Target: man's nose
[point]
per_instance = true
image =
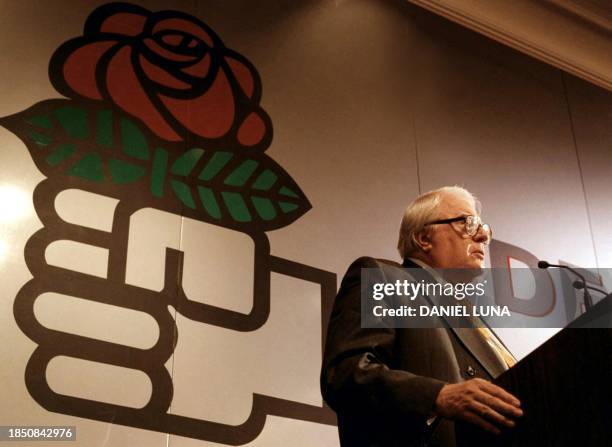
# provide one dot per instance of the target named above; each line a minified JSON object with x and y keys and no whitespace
{"x":481,"y":235}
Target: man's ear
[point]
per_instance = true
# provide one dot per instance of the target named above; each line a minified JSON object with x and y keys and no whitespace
{"x":423,"y":239}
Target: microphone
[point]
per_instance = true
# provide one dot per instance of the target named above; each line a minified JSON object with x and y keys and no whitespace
{"x":543,"y":264}
{"x":588,"y":302}
{"x":578,"y":285}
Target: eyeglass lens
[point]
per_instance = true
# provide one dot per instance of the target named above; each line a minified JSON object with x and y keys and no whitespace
{"x":473,"y":223}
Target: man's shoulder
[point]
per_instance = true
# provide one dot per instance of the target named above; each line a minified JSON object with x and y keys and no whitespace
{"x":365,"y":262}
{"x":383,"y":266}
{"x":353,"y":276}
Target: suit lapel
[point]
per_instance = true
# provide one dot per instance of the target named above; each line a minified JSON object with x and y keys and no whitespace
{"x":468,"y":336}
{"x":480,"y":349}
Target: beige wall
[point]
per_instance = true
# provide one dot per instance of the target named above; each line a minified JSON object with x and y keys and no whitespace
{"x":371,"y":103}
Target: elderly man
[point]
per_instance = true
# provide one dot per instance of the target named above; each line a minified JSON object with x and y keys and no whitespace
{"x":392,"y":387}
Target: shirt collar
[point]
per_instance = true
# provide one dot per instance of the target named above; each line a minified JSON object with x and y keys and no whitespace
{"x":429,"y":270}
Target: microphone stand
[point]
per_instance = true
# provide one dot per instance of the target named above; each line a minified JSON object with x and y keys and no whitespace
{"x":588,"y":301}
{"x":579,"y":285}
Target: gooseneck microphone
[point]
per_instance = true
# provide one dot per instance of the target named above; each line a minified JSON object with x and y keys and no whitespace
{"x":588,"y":302}
{"x":578,"y":285}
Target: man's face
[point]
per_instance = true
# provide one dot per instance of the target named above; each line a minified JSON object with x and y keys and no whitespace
{"x":451,"y":247}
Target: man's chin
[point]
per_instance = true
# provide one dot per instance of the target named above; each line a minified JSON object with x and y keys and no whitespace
{"x":473,"y":268}
{"x":475,"y":262}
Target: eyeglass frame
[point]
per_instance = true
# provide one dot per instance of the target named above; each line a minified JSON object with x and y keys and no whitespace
{"x":484,"y":226}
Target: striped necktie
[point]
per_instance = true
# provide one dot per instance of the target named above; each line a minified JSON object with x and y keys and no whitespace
{"x":499,"y":349}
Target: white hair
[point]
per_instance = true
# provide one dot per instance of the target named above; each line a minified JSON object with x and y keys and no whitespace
{"x":422,"y":210}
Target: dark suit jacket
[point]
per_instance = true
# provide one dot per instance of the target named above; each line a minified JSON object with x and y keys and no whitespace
{"x":383,"y":383}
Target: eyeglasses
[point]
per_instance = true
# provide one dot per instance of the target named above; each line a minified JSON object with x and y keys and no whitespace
{"x":471,"y":227}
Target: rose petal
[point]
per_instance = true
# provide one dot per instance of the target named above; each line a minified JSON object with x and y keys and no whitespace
{"x":210,"y":115}
{"x":173,"y":39}
{"x":79,"y":69}
{"x":199,"y":70}
{"x":252,"y":130}
{"x":243,"y":75}
{"x":126,"y":23}
{"x":186,"y":26}
{"x":127,"y":93}
{"x":167,"y":54}
{"x":161,"y":76}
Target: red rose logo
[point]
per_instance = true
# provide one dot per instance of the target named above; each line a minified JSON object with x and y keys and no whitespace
{"x":170,"y":71}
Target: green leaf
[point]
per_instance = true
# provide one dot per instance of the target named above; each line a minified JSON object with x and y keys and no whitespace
{"x":113,"y":154}
{"x":265,"y":180}
{"x":264,"y":208}
{"x":41,"y":121}
{"x":287,"y":207}
{"x":104,"y":128}
{"x":74,"y":121}
{"x":62,"y":152}
{"x":40,"y":139}
{"x":88,"y":168}
{"x":134,"y":142}
{"x":288,"y":192}
{"x":210,"y":203}
{"x":215,"y":164}
{"x":236,"y":206}
{"x":158,"y":174}
{"x":60,"y":130}
{"x":236,"y":189}
{"x":183,"y":193}
{"x":241,"y":174}
{"x":123,"y":172}
{"x":186,"y":162}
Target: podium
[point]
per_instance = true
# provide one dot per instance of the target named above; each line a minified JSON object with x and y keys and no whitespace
{"x":565,"y":388}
